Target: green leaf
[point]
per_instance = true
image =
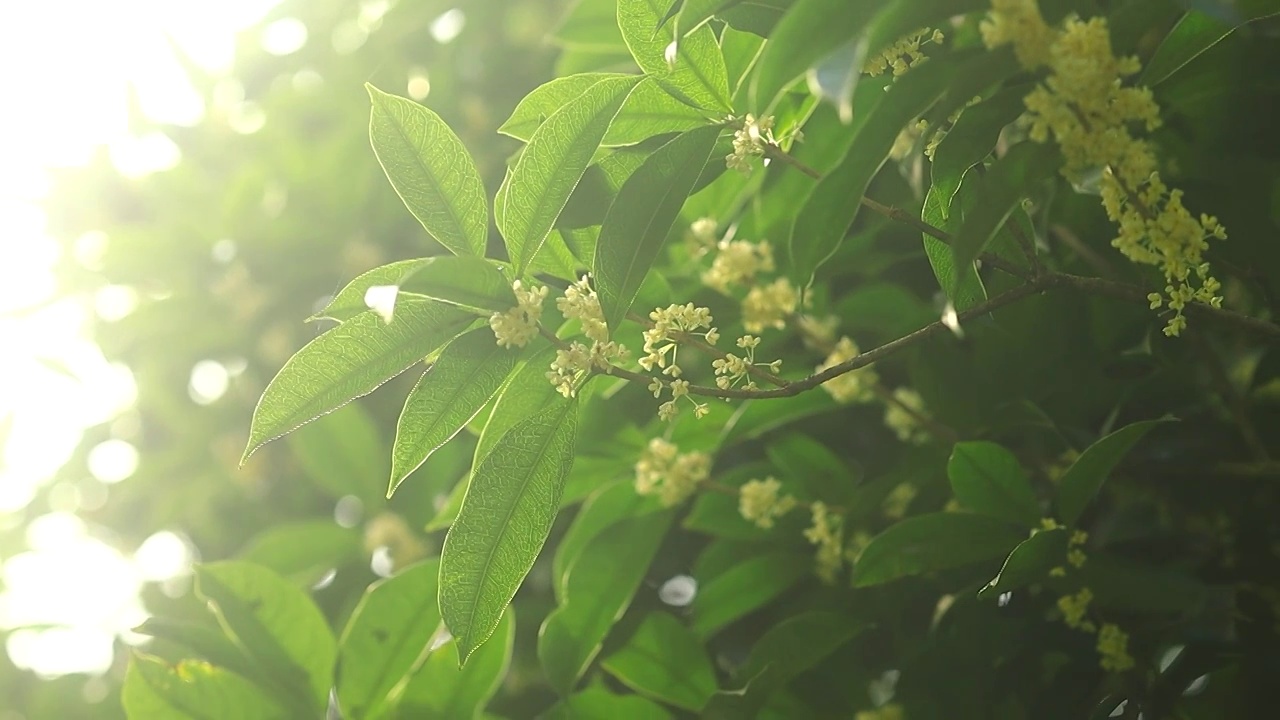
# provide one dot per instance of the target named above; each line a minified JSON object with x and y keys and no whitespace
{"x":814,"y":467}
{"x":597,"y":703}
{"x":349,"y":361}
{"x":825,"y":217}
{"x":462,"y":380}
{"x":343,"y":455}
{"x":809,"y":31}
{"x":970,"y":140}
{"x":648,"y":111}
{"x":526,"y":392}
{"x":597,"y":591}
{"x":469,"y":282}
{"x":558,"y":152}
{"x":1194,"y":34}
{"x":933,"y":541}
{"x":192,"y":690}
{"x":350,"y":302}
{"x":387,"y":636}
{"x":697,"y":74}
{"x":1002,"y":188}
{"x":607,"y":506}
{"x":664,"y":660}
{"x":505,"y":518}
{"x":642,"y":215}
{"x":1030,"y":562}
{"x":1130,"y":586}
{"x":441,"y":690}
{"x":788,"y":649}
{"x":304,"y":552}
{"x":746,"y":588}
{"x":1085,"y":477}
{"x":717,"y":514}
{"x":279,"y":627}
{"x":431,"y":170}
{"x":986,"y":478}
{"x":203,"y":638}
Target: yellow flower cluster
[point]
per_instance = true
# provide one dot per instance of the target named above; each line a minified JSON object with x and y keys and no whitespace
{"x":903,"y":54}
{"x":760,"y":503}
{"x":892,"y":711}
{"x":660,"y":339}
{"x":1113,"y":647}
{"x":1074,"y":608}
{"x":737,"y":262}
{"x":901,"y":416}
{"x":517,"y":326}
{"x":574,"y":363}
{"x":827,"y":532}
{"x":1084,"y":106}
{"x":769,"y":305}
{"x":731,"y":369}
{"x":898,"y":500}
{"x":851,"y":387}
{"x":749,"y":141}
{"x":664,"y":471}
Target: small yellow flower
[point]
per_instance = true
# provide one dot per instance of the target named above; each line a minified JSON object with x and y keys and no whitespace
{"x":1113,"y":647}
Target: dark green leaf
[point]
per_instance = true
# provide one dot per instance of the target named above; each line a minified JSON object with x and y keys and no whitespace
{"x":664,"y":660}
{"x":746,"y":588}
{"x":279,"y":627}
{"x":696,"y":75}
{"x":597,"y":703}
{"x":387,"y":636}
{"x":205,"y":639}
{"x":349,"y":361}
{"x":788,"y":649}
{"x":558,"y":152}
{"x":431,"y":170}
{"x":462,"y":380}
{"x":1195,"y":33}
{"x":192,"y":690}
{"x":597,"y":591}
{"x":505,"y":518}
{"x":813,"y":466}
{"x":1086,"y":475}
{"x":1131,"y":586}
{"x":986,"y":478}
{"x":637,"y":224}
{"x":1030,"y":562}
{"x":934,"y":541}
{"x":809,"y":31}
{"x":1008,"y":180}
{"x":970,"y":140}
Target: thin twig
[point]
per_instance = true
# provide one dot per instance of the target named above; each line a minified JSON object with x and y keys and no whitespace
{"x":938,"y":430}
{"x":690,"y":339}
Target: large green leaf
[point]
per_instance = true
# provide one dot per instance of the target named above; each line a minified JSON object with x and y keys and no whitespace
{"x":597,"y":591}
{"x":821,"y":222}
{"x":468,"y":282}
{"x":192,"y":690}
{"x":986,"y":478}
{"x":348,"y":361}
{"x":788,"y":649}
{"x":462,"y":380}
{"x":648,"y":111}
{"x":745,"y":588}
{"x":279,"y":627}
{"x":440,"y":690}
{"x":933,"y":541}
{"x":970,"y":140}
{"x":350,"y":301}
{"x":526,"y":392}
{"x":304,"y":551}
{"x":664,"y":660}
{"x":641,"y":216}
{"x":387,"y":636}
{"x":695,"y":73}
{"x":1030,"y":562}
{"x":504,"y":520}
{"x":431,"y":170}
{"x":1194,"y":34}
{"x":343,"y":454}
{"x":808,"y":32}
{"x":813,"y":466}
{"x":558,"y":152}
{"x":605,"y":507}
{"x":1085,"y":477}
{"x":1001,"y":191}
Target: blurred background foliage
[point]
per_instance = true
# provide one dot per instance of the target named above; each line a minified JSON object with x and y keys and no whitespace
{"x":276,"y":202}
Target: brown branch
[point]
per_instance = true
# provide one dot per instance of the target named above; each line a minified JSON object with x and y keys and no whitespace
{"x":709,"y":349}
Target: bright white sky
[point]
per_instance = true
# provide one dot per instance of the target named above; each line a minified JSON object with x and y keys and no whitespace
{"x":66,"y":67}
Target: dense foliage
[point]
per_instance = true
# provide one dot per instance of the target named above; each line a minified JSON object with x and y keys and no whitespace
{"x":890,"y":359}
